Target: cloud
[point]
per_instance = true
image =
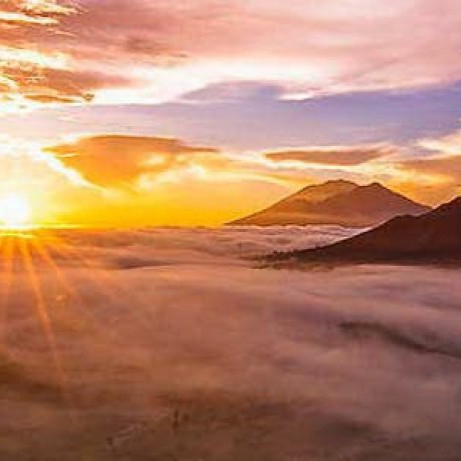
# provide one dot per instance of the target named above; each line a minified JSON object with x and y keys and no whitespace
{"x":140,"y":162}
{"x":333,"y":155}
{"x":307,"y":49}
{"x":431,"y":180}
{"x":448,"y":167}
{"x":435,"y":169}
{"x":165,"y":51}
{"x":162,"y":330}
{"x":119,"y":161}
{"x":446,"y":145}
{"x":444,"y":157}
{"x":25,"y":65}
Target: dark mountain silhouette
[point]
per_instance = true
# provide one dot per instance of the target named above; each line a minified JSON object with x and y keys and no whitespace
{"x":336,"y":202}
{"x":433,"y":237}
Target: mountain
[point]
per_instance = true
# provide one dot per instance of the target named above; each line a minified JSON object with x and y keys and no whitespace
{"x":432,"y":237}
{"x":336,"y":202}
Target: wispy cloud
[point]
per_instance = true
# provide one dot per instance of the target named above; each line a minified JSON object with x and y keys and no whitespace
{"x":35,"y":67}
{"x":164,"y":50}
{"x":333,"y":155}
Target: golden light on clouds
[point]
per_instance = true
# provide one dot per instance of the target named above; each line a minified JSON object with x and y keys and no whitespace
{"x":11,"y":18}
{"x":138,"y":180}
{"x":32,"y":70}
{"x":47,"y":7}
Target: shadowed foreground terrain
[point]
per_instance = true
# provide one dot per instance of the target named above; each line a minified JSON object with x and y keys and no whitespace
{"x":433,"y":238}
{"x":166,"y":345}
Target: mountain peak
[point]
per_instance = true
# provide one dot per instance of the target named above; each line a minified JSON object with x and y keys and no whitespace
{"x":375,"y":186}
{"x":450,"y":208}
{"x":339,"y":182}
{"x":333,"y":184}
{"x":336,"y":202}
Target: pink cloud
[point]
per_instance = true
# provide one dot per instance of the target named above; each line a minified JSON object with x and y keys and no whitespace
{"x":307,"y":48}
{"x":164,"y":50}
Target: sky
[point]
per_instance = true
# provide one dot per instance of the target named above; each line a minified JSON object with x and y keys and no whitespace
{"x":133,"y":112}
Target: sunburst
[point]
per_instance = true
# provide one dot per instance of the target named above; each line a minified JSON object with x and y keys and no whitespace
{"x":15,"y":211}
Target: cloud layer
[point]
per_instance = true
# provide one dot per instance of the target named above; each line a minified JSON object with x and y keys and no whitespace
{"x":170,"y":344}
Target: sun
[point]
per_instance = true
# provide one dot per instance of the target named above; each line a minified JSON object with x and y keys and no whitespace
{"x":15,"y":211}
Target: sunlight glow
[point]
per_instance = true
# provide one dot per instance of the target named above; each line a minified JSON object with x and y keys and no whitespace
{"x":15,"y":211}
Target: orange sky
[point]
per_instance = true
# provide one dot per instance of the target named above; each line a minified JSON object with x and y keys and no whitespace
{"x":123,"y":180}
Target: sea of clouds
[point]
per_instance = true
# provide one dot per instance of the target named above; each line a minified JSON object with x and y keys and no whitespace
{"x":174,"y":344}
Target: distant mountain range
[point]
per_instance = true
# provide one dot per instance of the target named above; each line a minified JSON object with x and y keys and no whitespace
{"x":336,"y":202}
{"x":434,"y":237}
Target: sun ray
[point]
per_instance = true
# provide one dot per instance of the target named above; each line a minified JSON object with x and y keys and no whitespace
{"x":7,"y":254}
{"x":43,"y":315}
{"x":84,"y":313}
{"x":108,"y":285}
{"x":45,"y":255}
{"x":97,"y":276}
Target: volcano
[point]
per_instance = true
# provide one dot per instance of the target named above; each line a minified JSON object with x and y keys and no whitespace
{"x":339,"y":202}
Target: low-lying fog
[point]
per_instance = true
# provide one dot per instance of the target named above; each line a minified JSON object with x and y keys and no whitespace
{"x":170,"y":344}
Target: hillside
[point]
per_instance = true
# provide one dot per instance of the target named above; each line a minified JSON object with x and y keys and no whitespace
{"x":336,"y":202}
{"x":432,"y":237}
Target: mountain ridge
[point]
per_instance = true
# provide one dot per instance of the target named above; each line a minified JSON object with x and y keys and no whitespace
{"x":432,"y":237}
{"x":337,"y":202}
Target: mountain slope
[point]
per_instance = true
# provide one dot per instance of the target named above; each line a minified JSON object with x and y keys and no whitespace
{"x":336,"y":202}
{"x":432,"y":237}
